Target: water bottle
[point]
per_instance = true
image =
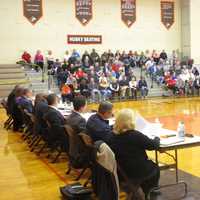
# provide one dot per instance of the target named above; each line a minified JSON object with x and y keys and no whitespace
{"x":181,"y":130}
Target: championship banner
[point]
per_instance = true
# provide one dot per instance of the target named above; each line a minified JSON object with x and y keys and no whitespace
{"x":83,"y":9}
{"x":32,"y":10}
{"x":167,"y":13}
{"x":84,"y":39}
{"x":128,"y":11}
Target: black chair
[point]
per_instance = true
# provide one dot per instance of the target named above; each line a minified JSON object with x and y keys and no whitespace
{"x":29,"y":125}
{"x":79,"y":153}
{"x":9,"y":122}
{"x":49,"y":143}
{"x":132,"y":189}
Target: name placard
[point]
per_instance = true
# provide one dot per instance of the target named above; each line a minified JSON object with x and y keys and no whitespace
{"x":83,"y":9}
{"x":167,"y":13}
{"x":32,"y":10}
{"x":84,"y":39}
{"x":128,"y":11}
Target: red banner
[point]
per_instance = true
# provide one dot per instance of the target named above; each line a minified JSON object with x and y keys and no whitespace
{"x":32,"y":10}
{"x":84,"y":39}
{"x":128,"y":11}
{"x":167,"y":13}
{"x":83,"y":10}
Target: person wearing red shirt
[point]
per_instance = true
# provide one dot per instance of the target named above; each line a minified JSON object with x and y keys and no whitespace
{"x":79,"y":74}
{"x":26,"y":57}
{"x":39,"y":60}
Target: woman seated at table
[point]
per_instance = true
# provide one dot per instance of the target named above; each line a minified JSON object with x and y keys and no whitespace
{"x":129,"y":147}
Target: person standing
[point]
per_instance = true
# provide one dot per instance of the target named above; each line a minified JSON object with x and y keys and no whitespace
{"x":50,"y":60}
{"x":39,"y":61}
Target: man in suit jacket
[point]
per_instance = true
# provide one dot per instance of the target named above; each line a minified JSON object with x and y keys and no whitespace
{"x":98,"y":125}
{"x":55,"y":122}
{"x":75,"y":120}
{"x":40,"y":109}
{"x":25,"y":101}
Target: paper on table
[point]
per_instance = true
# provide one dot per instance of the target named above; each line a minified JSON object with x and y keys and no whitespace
{"x":154,"y":129}
{"x":171,"y":140}
{"x":147,"y":128}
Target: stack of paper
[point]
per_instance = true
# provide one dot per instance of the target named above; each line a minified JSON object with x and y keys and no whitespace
{"x":153,"y":130}
{"x":171,"y":140}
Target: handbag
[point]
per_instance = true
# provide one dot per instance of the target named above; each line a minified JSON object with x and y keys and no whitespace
{"x":76,"y":192}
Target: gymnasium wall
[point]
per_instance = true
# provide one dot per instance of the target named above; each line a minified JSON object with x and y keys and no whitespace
{"x":195,"y":30}
{"x":50,"y":32}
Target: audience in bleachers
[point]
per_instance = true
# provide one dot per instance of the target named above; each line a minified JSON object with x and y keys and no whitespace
{"x":109,"y":70}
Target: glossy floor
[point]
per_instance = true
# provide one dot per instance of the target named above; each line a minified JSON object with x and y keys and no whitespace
{"x":26,"y":176}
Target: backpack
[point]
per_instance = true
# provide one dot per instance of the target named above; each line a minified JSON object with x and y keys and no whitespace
{"x":75,"y":192}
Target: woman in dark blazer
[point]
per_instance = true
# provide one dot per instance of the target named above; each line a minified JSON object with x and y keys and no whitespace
{"x":130,"y":148}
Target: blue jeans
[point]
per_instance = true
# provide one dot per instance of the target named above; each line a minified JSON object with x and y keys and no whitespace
{"x":106,"y":93}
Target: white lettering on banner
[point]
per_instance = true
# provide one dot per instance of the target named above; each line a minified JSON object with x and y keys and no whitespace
{"x":128,"y":6}
{"x":83,"y":3}
{"x":33,"y":10}
{"x":84,"y":39}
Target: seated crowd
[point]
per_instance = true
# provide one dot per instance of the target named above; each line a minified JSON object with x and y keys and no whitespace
{"x":128,"y":145}
{"x":109,"y":75}
{"x":181,"y":78}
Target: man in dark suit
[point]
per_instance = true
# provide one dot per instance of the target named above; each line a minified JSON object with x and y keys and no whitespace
{"x":75,"y":120}
{"x":40,"y":109}
{"x":25,"y":101}
{"x":98,"y":125}
{"x":11,"y":100}
{"x":55,"y":121}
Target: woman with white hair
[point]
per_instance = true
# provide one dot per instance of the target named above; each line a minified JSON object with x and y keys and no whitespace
{"x":130,"y":148}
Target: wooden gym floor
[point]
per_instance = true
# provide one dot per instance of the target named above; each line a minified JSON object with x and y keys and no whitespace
{"x":25,"y":176}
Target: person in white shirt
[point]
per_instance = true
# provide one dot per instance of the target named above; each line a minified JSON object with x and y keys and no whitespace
{"x":50,"y":59}
{"x":104,"y":86}
{"x":66,"y":56}
{"x":133,"y":87}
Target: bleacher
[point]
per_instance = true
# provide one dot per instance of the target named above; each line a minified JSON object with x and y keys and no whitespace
{"x":11,"y":75}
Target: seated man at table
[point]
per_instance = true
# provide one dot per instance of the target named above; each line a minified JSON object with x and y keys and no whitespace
{"x":25,"y":101}
{"x":98,"y":125}
{"x":55,"y":121}
{"x":75,"y":120}
{"x":40,"y":109}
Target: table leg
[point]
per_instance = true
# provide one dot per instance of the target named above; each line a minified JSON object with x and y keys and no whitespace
{"x":156,"y":157}
{"x":176,"y":164}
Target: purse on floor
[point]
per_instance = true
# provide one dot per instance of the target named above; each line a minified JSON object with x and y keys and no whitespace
{"x":75,"y":192}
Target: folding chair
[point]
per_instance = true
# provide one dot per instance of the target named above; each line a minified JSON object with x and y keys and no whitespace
{"x":133,"y":189}
{"x":9,"y":122}
{"x":75,"y":145}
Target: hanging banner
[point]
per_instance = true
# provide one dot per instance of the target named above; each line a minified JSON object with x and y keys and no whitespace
{"x":167,"y":13}
{"x":128,"y":11}
{"x":84,"y":39}
{"x":83,"y":10}
{"x":32,"y":10}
